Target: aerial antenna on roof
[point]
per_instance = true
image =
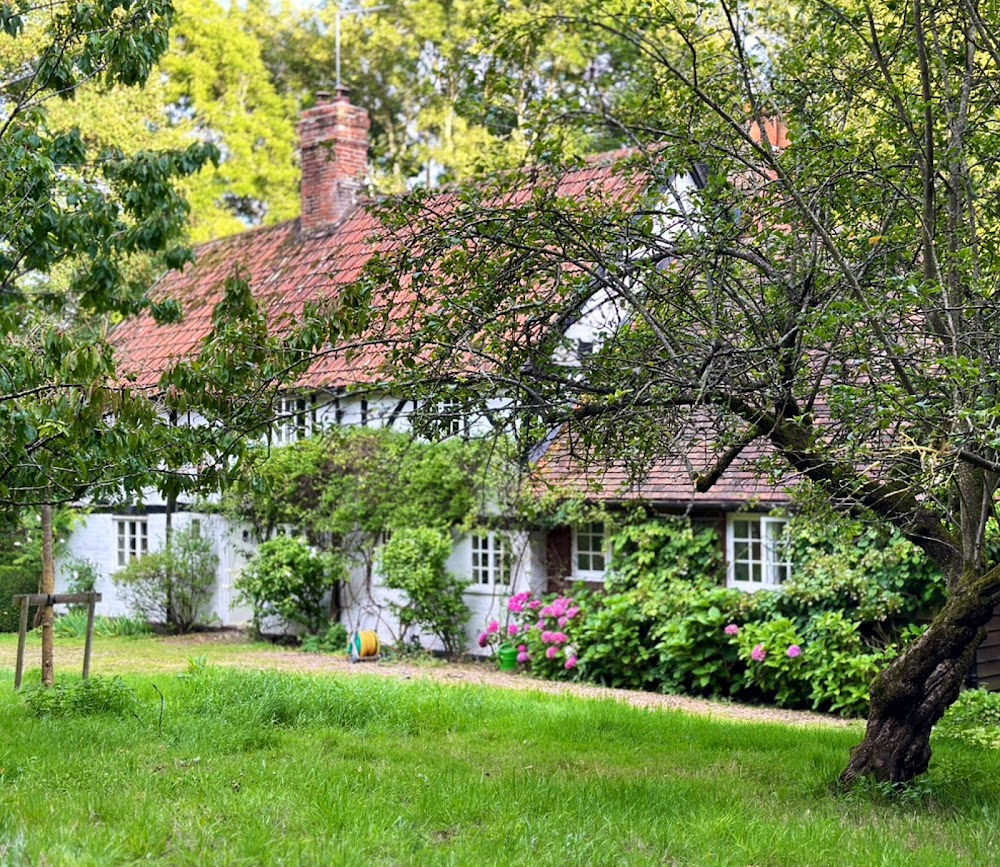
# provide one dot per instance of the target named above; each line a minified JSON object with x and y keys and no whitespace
{"x":350,"y":7}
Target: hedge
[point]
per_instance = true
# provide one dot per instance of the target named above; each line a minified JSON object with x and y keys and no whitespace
{"x":14,"y":580}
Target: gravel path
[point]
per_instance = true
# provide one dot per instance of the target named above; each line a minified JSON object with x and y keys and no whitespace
{"x":485,"y":674}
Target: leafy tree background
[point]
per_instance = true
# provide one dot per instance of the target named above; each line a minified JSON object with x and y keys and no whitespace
{"x":825,"y":296}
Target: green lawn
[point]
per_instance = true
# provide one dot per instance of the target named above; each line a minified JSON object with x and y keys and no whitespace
{"x":258,"y":767}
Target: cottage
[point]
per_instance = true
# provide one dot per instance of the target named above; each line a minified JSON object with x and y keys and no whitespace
{"x":314,"y":258}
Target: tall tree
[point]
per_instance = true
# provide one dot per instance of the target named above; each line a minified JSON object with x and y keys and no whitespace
{"x":210,"y":85}
{"x":447,"y":98}
{"x":74,"y":218}
{"x":829,"y":293}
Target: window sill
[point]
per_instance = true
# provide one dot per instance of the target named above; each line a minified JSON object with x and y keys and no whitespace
{"x":485,"y":590}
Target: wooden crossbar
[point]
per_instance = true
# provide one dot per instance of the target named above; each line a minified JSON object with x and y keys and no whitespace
{"x":47,"y":600}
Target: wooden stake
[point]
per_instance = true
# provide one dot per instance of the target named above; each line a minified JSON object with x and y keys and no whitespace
{"x":90,"y":636}
{"x":22,"y":634}
{"x":48,"y":587}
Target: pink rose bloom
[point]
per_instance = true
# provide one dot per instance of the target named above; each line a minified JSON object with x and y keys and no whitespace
{"x":552,"y":652}
{"x":793,"y":651}
{"x":493,"y":627}
{"x":571,"y":663}
{"x":484,"y":639}
{"x":523,"y":657}
{"x":512,"y":630}
{"x":732,"y":629}
{"x":759,"y":653}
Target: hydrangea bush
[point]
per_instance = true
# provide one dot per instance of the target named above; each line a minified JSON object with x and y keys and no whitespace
{"x":543,"y":630}
{"x":665,"y":623}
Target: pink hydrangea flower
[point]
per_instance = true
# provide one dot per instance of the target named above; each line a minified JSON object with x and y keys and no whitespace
{"x":559,"y":638}
{"x":571,"y":663}
{"x":512,"y":630}
{"x":793,"y":651}
{"x":547,"y":637}
{"x":552,"y":652}
{"x":516,"y":603}
{"x":523,"y":657}
{"x":522,"y":648}
{"x":572,"y":612}
{"x":493,"y":627}
{"x":535,"y":604}
{"x":484,"y":639}
{"x":563,"y":620}
{"x":732,"y":629}
{"x":759,"y":653}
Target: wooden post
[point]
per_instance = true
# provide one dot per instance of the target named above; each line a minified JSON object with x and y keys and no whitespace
{"x":90,"y":636}
{"x":22,"y":634}
{"x":48,"y":588}
{"x":43,"y":600}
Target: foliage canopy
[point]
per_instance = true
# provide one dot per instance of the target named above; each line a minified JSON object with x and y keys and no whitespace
{"x":827,"y":294}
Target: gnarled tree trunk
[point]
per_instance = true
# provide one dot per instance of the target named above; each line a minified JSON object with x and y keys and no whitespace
{"x":912,"y":694}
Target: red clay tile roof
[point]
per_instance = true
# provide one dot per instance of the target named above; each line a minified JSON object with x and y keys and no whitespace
{"x":288,"y":267}
{"x":564,"y":467}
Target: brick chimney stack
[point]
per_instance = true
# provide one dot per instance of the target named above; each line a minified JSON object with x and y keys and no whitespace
{"x":333,"y":138}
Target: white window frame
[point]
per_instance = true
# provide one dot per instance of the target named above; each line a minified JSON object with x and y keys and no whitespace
{"x":293,"y":420}
{"x":131,"y":538}
{"x":453,"y":420}
{"x":489,"y":561}
{"x":590,"y":560}
{"x":760,"y":558}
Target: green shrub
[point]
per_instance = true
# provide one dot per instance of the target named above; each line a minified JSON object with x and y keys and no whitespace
{"x":334,"y":640}
{"x":81,"y":576}
{"x":973,"y":719}
{"x":840,"y":667}
{"x":774,"y":666}
{"x":15,"y":580}
{"x":879,"y":578}
{"x":693,"y":651}
{"x":413,"y":561}
{"x":288,"y":579}
{"x":91,"y":697}
{"x":654,"y":553}
{"x":74,"y":625}
{"x":615,"y":648}
{"x":658,"y":567}
{"x":174,"y":585}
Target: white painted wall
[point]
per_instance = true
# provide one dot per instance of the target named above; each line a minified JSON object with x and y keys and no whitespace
{"x":365,"y":600}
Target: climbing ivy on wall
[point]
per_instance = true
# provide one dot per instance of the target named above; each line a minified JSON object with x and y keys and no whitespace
{"x":363,"y":481}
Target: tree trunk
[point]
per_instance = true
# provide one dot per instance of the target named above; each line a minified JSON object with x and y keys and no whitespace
{"x":48,"y":586}
{"x":915,"y":690}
